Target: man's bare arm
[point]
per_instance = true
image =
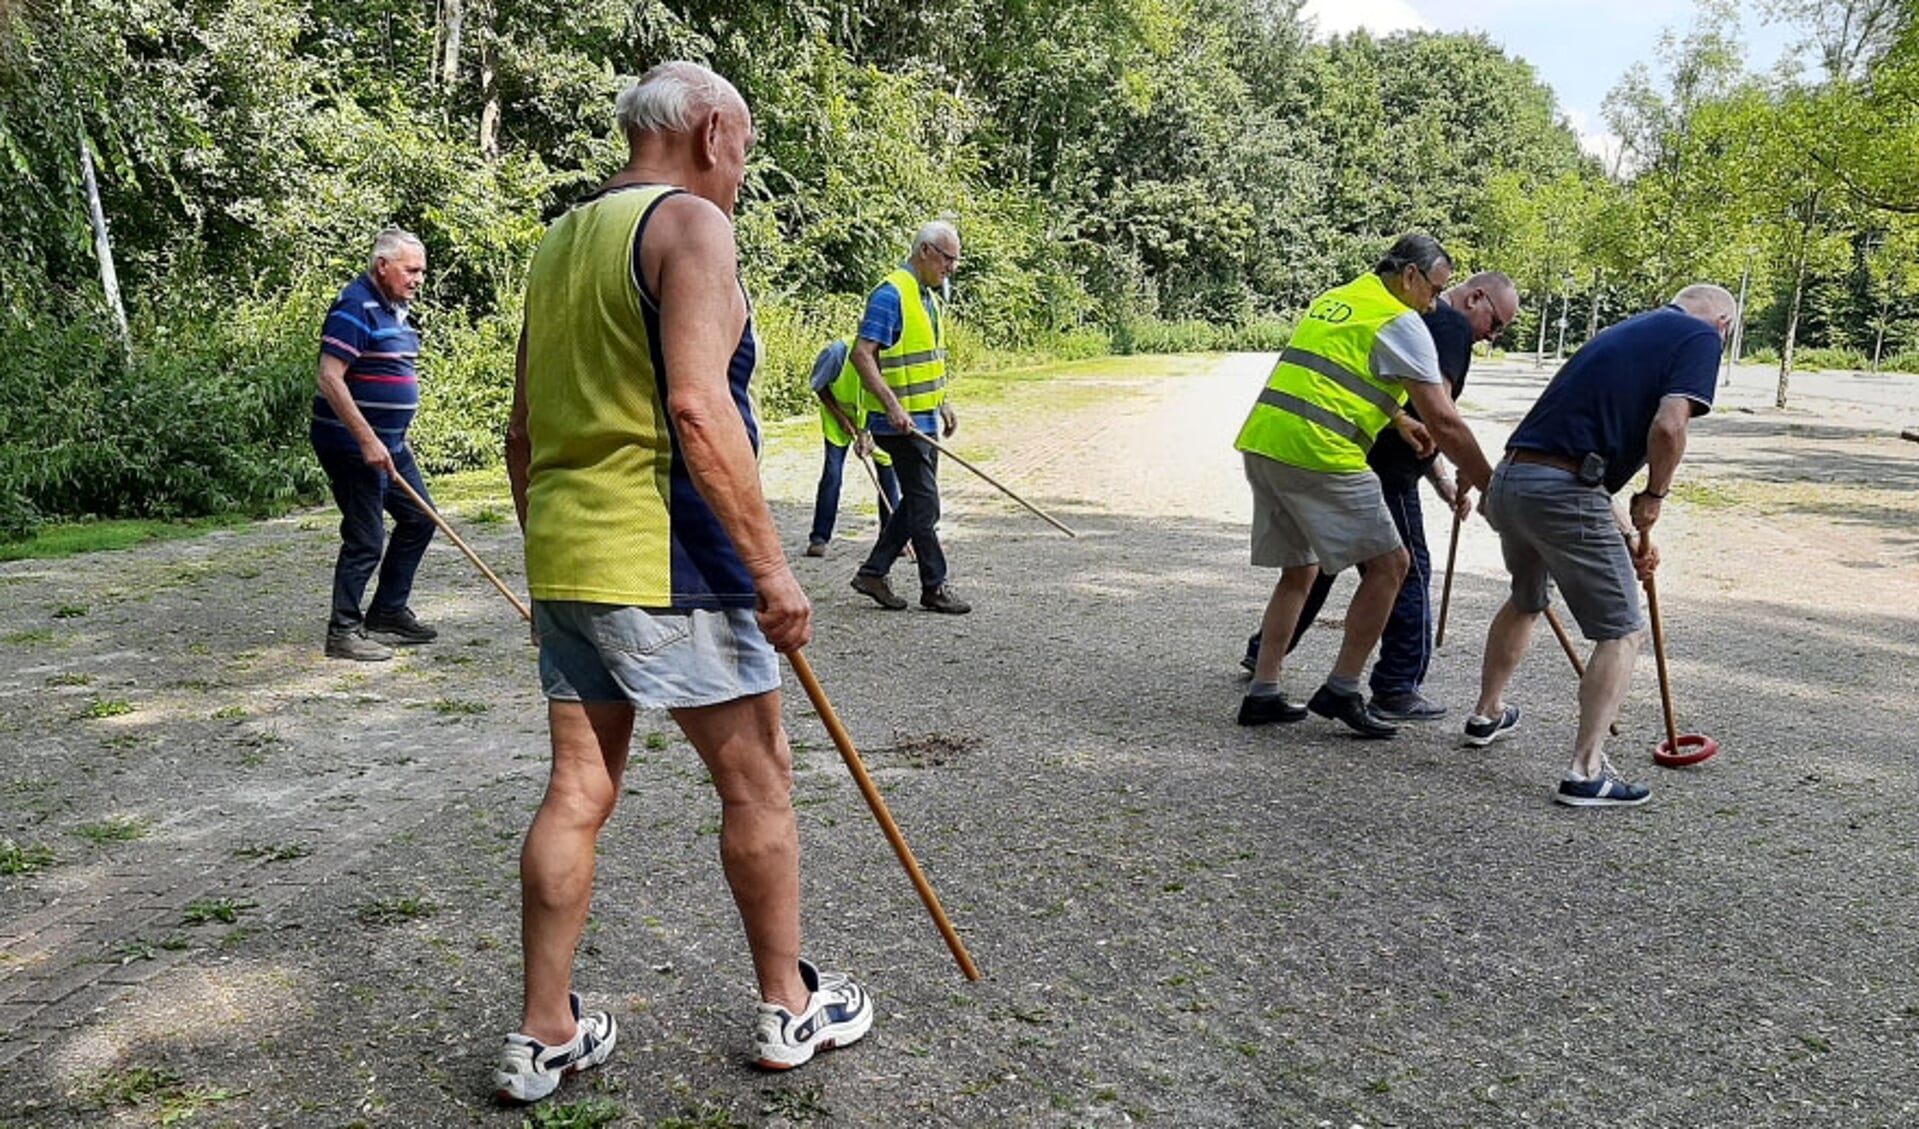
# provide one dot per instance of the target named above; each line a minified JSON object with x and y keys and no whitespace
{"x":332,"y":382}
{"x":519,"y":444}
{"x":690,"y":262}
{"x":866,"y":361}
{"x":1449,"y":431}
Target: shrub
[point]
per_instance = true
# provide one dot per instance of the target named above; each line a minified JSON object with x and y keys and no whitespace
{"x":1837,"y":359}
{"x":1904,"y":361}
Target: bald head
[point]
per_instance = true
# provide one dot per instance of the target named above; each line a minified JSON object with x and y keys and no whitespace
{"x":674,"y":98}
{"x":1708,"y":302}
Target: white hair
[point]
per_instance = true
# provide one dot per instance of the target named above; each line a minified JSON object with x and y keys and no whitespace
{"x":933,"y":230}
{"x":1704,"y":300}
{"x":387,"y":244}
{"x":672,"y":98}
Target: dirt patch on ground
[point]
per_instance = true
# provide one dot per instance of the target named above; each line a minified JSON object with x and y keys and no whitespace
{"x":253,"y":887}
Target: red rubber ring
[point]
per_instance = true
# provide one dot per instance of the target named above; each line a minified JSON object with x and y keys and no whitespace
{"x":1692,"y":748}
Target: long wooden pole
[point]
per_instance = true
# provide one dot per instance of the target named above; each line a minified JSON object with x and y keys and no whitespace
{"x":841,"y":739}
{"x":995,"y":483}
{"x":844,"y":742}
{"x":525,"y":612}
{"x":1659,"y":648}
{"x":1446,"y":590}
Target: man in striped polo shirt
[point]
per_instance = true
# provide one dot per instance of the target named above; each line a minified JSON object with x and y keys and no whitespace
{"x":367,"y":396}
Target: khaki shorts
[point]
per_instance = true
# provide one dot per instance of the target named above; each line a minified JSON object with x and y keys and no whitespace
{"x":1303,"y":517}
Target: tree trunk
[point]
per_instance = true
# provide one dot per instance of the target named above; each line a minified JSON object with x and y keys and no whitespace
{"x":1539,"y":357}
{"x":1792,"y":328}
{"x":1592,"y":317}
{"x":452,"y":23}
{"x":103,"y":246}
{"x":489,"y":88}
{"x":489,"y":106}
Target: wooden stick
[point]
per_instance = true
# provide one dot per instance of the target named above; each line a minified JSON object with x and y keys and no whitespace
{"x":455,"y":538}
{"x":1049,"y":518}
{"x":1446,"y":590}
{"x":886,"y":508}
{"x":852,"y":757}
{"x":1659,"y":648}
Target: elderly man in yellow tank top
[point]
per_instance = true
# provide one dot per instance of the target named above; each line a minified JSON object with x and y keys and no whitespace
{"x":1360,"y":353}
{"x":657,"y":575}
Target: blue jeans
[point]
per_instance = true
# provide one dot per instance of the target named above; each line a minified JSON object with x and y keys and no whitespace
{"x":917,"y":516}
{"x":826,"y":501}
{"x":1406,"y":647}
{"x":363,"y":494}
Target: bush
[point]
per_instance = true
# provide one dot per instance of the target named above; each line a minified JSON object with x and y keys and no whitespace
{"x":1836,"y":359}
{"x":1148,"y":335}
{"x":208,"y":418}
{"x":1904,"y":361}
{"x":1766,"y":356}
{"x":466,"y":390}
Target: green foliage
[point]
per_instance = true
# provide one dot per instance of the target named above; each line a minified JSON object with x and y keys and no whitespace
{"x":588,"y":1113}
{"x":16,"y":858}
{"x":118,"y":829}
{"x":1838,"y":359}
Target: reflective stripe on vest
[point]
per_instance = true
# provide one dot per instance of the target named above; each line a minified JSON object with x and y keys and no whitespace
{"x":915,"y":365}
{"x":1322,"y":405}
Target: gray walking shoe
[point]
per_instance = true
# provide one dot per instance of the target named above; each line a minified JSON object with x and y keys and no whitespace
{"x":355,"y":645}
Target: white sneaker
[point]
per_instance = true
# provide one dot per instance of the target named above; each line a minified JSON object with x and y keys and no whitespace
{"x":838,"y":1013}
{"x":530,"y":1070}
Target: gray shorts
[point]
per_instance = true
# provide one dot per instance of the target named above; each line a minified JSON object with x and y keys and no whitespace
{"x":1552,"y":527}
{"x":1303,"y":517}
{"x":656,"y":659}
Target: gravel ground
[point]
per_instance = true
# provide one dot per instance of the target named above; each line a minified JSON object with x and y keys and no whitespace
{"x":281,"y":891}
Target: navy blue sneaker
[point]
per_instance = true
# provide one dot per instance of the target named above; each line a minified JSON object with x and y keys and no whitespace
{"x":1606,"y":790}
{"x":1351,"y":709}
{"x":1252,"y":654}
{"x":1483,"y":731}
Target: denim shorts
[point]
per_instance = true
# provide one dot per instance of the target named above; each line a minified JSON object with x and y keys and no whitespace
{"x":1550,"y":526}
{"x":1303,"y":517}
{"x":651,"y":658}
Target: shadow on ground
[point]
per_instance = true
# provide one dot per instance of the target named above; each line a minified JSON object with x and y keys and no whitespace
{"x":1181,"y":922}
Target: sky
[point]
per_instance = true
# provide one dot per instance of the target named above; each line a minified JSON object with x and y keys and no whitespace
{"x":1580,"y":48}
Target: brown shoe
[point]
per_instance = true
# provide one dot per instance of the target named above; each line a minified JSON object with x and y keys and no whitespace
{"x":879,"y":589}
{"x":816,"y":548}
{"x":941,"y":599}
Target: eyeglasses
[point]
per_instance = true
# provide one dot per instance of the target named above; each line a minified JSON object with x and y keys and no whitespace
{"x":1498,"y":324}
{"x":951,"y":260}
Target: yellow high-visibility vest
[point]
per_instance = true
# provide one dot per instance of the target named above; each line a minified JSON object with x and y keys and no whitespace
{"x":1322,"y":406}
{"x":915,"y":365}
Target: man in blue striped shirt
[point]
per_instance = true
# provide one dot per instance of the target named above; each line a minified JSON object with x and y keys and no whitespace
{"x":367,"y":396}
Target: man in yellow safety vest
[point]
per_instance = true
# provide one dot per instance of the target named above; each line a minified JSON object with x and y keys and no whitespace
{"x":901,"y":357}
{"x":1357,"y":357}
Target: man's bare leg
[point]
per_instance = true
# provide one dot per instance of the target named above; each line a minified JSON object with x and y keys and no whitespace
{"x":745,"y":750}
{"x":1379,"y":583}
{"x":556,"y":863}
{"x":1507,"y":638}
{"x":1282,"y":616}
{"x":1602,"y":689}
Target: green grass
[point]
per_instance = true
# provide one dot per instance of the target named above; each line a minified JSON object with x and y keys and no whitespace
{"x":386,"y":911}
{"x":119,"y":829}
{"x":53,"y":542}
{"x":456,"y":707}
{"x":273,"y":852}
{"x":69,"y":680}
{"x":226,"y":911}
{"x":18,"y":859}
{"x":104,"y":707}
{"x":28,"y":638}
{"x":589,"y":1113}
{"x":1704,"y":495}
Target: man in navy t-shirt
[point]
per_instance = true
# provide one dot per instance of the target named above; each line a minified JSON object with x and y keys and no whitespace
{"x":367,"y":395}
{"x":1478,"y":309}
{"x":1623,"y":402}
